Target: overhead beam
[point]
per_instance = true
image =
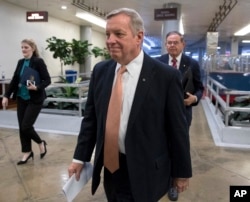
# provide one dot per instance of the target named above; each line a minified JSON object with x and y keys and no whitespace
{"x":224,"y":10}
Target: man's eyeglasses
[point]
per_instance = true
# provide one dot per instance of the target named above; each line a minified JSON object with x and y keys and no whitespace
{"x":173,"y":43}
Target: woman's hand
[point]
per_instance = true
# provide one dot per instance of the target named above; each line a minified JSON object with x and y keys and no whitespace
{"x":31,"y":86}
{"x":5,"y":102}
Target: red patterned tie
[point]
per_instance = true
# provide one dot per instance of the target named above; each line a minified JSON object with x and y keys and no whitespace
{"x":174,"y":62}
{"x":111,"y":150}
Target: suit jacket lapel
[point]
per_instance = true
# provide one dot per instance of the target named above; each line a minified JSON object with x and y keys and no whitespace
{"x":165,"y":59}
{"x":184,"y":64}
{"x":144,"y":81}
{"x":106,"y":93}
{"x":145,"y":78}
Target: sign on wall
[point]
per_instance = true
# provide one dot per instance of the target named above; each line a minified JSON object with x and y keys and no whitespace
{"x":37,"y":16}
{"x":165,"y":14}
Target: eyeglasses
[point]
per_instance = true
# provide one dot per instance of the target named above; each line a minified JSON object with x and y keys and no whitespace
{"x":173,"y":43}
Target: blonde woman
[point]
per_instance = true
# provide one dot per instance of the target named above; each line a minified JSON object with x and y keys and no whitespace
{"x":29,"y":94}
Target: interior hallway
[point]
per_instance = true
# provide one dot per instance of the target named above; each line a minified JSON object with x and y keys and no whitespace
{"x":214,"y":168}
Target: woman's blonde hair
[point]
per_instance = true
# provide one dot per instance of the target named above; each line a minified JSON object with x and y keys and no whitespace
{"x":33,"y":45}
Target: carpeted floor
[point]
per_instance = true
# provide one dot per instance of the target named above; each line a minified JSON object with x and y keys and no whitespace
{"x":62,"y":124}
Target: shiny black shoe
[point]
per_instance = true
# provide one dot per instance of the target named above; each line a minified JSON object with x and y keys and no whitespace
{"x":23,"y":162}
{"x":173,"y":194}
{"x":45,"y":150}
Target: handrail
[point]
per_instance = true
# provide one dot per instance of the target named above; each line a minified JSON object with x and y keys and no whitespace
{"x":3,"y":82}
{"x":227,"y":63}
{"x":215,"y":89}
{"x":78,"y":100}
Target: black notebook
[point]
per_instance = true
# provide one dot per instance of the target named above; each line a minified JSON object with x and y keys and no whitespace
{"x":187,"y":82}
{"x":30,"y":76}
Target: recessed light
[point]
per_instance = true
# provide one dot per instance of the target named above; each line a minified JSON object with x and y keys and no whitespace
{"x":63,"y":7}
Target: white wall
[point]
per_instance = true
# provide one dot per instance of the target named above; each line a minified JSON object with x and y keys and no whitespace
{"x":98,"y":39}
{"x":14,"y":29}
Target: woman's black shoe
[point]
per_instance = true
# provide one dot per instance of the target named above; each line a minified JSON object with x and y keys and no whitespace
{"x":23,"y":162}
{"x":45,"y":150}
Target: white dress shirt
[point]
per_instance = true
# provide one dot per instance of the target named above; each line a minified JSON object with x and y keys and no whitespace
{"x":177,"y":62}
{"x":130,"y":80}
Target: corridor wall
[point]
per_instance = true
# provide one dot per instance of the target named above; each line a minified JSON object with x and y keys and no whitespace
{"x":14,"y":28}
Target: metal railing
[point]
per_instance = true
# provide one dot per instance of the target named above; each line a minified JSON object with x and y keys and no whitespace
{"x":82,"y":97}
{"x":215,"y":90}
{"x":225,"y":63}
{"x":3,"y":83}
{"x":82,"y":88}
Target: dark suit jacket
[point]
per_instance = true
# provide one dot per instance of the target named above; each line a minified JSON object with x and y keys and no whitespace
{"x":188,"y":62}
{"x":157,"y":140}
{"x":38,"y":65}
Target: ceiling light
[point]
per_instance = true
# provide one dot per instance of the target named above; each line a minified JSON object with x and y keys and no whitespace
{"x":243,"y":31}
{"x":91,"y":18}
{"x":63,"y":7}
{"x":245,"y":41}
{"x":181,"y":27}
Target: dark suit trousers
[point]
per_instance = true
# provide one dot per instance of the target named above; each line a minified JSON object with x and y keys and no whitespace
{"x":117,"y":185}
{"x":27,"y":113}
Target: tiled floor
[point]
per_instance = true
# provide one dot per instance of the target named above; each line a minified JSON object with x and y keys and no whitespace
{"x":214,"y":168}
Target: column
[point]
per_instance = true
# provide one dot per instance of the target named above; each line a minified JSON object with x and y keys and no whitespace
{"x":86,"y":34}
{"x":212,"y":43}
{"x":234,"y":46}
{"x":170,"y":25}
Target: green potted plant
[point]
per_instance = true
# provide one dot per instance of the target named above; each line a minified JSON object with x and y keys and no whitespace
{"x":60,"y":49}
{"x":80,"y":50}
{"x":68,"y":52}
{"x":103,"y":52}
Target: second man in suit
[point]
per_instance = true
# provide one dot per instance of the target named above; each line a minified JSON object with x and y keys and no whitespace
{"x":175,"y":57}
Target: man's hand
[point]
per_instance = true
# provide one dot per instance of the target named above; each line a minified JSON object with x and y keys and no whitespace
{"x":190,"y":99}
{"x":181,"y":184}
{"x":75,"y":168}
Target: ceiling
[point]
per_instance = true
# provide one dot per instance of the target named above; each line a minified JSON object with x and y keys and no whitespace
{"x":197,"y":15}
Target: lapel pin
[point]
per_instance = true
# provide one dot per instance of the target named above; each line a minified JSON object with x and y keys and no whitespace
{"x":143,"y":79}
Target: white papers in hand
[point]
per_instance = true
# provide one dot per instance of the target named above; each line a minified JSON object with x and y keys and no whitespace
{"x":73,"y":187}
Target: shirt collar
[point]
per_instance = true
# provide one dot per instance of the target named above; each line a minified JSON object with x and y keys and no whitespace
{"x":178,"y":58}
{"x":134,"y":67}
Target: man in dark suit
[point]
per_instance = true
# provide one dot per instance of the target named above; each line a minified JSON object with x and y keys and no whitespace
{"x":193,"y":93}
{"x":153,"y":133}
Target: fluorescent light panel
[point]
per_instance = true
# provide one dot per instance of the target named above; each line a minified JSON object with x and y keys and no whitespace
{"x":181,"y":27}
{"x":243,"y":31}
{"x":245,"y":41}
{"x":91,"y":18}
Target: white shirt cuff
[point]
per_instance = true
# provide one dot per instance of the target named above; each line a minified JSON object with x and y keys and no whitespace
{"x":196,"y":99}
{"x":77,"y":161}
